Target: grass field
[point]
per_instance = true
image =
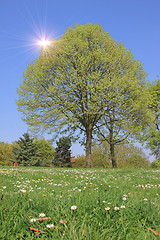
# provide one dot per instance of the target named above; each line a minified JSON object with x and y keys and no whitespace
{"x":78,"y":204}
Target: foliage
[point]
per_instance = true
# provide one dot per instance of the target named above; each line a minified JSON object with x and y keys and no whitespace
{"x":6,"y":153}
{"x":155,"y":164}
{"x":101,"y":156}
{"x":78,"y":80}
{"x":80,"y":161}
{"x":127,"y":113}
{"x":127,"y":155}
{"x":25,"y":152}
{"x":62,"y":153}
{"x":131,"y":156}
{"x":152,"y":135}
{"x":44,"y":152}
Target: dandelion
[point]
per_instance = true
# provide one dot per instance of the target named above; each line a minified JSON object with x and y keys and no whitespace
{"x":116,"y":208}
{"x":73,"y":207}
{"x":50,"y":226}
{"x":107,"y":208}
{"x":33,"y":220}
{"x":42,"y":215}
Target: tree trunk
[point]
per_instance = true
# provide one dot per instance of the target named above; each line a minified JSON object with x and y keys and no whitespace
{"x":88,"y":149}
{"x":113,"y":160}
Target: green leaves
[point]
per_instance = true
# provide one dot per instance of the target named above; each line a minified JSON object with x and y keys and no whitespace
{"x":79,"y":80}
{"x":152,"y":134}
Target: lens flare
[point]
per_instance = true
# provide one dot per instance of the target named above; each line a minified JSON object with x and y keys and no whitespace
{"x":44,"y":43}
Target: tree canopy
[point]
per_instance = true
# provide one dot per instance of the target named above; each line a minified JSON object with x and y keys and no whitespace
{"x":77,"y":80}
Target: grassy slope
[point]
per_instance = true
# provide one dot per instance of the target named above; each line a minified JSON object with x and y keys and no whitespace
{"x":27,"y":192}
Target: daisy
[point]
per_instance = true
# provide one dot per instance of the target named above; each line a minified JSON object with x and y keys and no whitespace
{"x":124,"y":199}
{"x":124,"y":195}
{"x":42,"y":215}
{"x":107,"y":208}
{"x":122,"y":206}
{"x":73,"y":207}
{"x":50,"y":226}
{"x":116,"y":208}
{"x":23,"y":191}
{"x":33,"y":220}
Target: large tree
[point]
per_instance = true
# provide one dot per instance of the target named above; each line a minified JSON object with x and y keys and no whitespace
{"x":70,"y":85}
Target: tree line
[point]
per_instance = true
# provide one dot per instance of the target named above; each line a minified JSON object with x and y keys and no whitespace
{"x":28,"y":151}
{"x":86,"y":83}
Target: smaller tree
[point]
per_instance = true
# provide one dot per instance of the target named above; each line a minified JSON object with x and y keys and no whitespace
{"x":62,"y":153}
{"x":44,"y":152}
{"x":25,"y":151}
{"x":155,"y":164}
{"x":6,"y":153}
{"x":127,"y":155}
{"x":80,"y":161}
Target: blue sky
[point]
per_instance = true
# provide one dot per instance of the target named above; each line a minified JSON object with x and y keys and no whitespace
{"x":136,"y":23}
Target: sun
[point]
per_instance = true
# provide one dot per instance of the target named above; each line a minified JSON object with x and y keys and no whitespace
{"x":44,"y":43}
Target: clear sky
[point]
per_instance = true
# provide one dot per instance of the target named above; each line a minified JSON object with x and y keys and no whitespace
{"x":136,"y":23}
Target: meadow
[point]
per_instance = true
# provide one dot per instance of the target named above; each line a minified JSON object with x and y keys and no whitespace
{"x":76,"y":204}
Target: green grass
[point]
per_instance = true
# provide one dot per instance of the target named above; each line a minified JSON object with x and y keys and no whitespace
{"x":27,"y":192}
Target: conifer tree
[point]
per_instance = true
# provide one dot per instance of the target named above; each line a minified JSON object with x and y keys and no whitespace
{"x":62,"y":154}
{"x":25,"y":151}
